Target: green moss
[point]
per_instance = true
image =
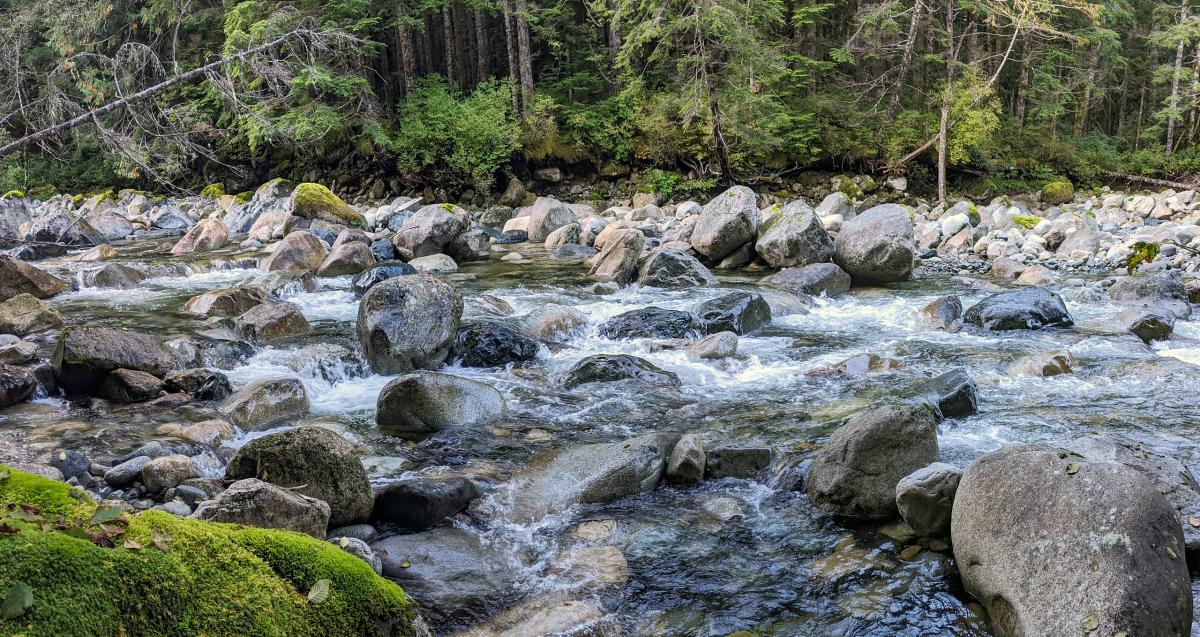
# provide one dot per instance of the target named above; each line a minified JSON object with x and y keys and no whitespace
{"x":76,"y":200}
{"x":213,"y":579}
{"x":41,"y":193}
{"x":103,"y":195}
{"x":244,"y":197}
{"x":1058,"y":192}
{"x":314,"y":201}
{"x":213,"y":191}
{"x":13,"y":194}
{"x":1029,"y":223}
{"x":846,"y":186}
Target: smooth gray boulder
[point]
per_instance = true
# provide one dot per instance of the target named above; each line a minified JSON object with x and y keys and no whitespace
{"x":877,"y":246}
{"x":856,"y":472}
{"x":1163,"y":291}
{"x":1030,"y":308}
{"x":423,"y":403}
{"x":794,"y":237}
{"x":1148,"y":324}
{"x":266,"y":402}
{"x":686,"y":462}
{"x":674,"y":268}
{"x":925,"y":498}
{"x":416,"y":504}
{"x":444,"y":568}
{"x":955,"y":393}
{"x":607,"y":368}
{"x":737,"y":312}
{"x":814,"y":279}
{"x":1055,"y":544}
{"x":545,"y":216}
{"x":408,"y":322}
{"x":726,"y":223}
{"x":430,"y":230}
{"x":618,"y":259}
{"x":86,"y":355}
{"x":261,"y":504}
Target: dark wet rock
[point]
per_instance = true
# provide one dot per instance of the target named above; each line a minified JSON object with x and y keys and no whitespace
{"x":408,"y":323}
{"x":648,"y":322}
{"x":272,"y":321}
{"x":361,"y":550}
{"x":686,"y":462}
{"x":16,"y":384}
{"x":944,"y":313}
{"x":877,"y":246}
{"x":380,"y":272}
{"x":298,"y":251}
{"x":815,"y":279}
{"x":472,"y":245}
{"x":260,"y":504}
{"x":72,"y":464}
{"x":955,"y":393}
{"x":1148,"y":325}
{"x":674,"y":268}
{"x":113,"y":275}
{"x":737,"y":462}
{"x":24,"y":314}
{"x":416,"y":504}
{"x":383,"y":250}
{"x":1022,"y":309}
{"x":513,"y":236}
{"x":1054,"y":544}
{"x":618,"y":259}
{"x":131,"y":386}
{"x":1163,"y":291}
{"x":39,"y":251}
{"x":227,"y":302}
{"x":86,"y":355}
{"x":442,"y":569}
{"x":925,"y":498}
{"x":266,"y":402}
{"x":126,"y":472}
{"x":18,"y":277}
{"x":491,"y":344}
{"x":422,"y":403}
{"x":429,"y":230}
{"x":856,"y":472}
{"x":589,"y":474}
{"x":200,"y":383}
{"x":728,"y":222}
{"x":738,"y":259}
{"x":311,"y":461}
{"x":363,"y":532}
{"x":222,"y":353}
{"x":793,"y":237}
{"x":604,"y":368}
{"x":574,"y":251}
{"x":737,"y":312}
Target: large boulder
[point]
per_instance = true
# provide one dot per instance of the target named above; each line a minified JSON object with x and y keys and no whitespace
{"x":674,"y":268}
{"x":408,"y":323}
{"x":1164,"y":291}
{"x":351,"y":257}
{"x":473,"y":245}
{"x":299,"y":250}
{"x":25,"y":314}
{"x":205,"y":236}
{"x":618,"y":259}
{"x":726,"y":223}
{"x":1056,"y":544}
{"x":16,"y":384}
{"x":113,"y":275}
{"x":416,"y":405}
{"x":545,"y":216}
{"x":648,"y":322}
{"x":877,"y":246}
{"x":443,"y":569}
{"x":794,"y":237}
{"x":1021,"y":309}
{"x":18,"y":277}
{"x":490,"y":344}
{"x":429,"y":231}
{"x":271,"y":322}
{"x":590,"y":474}
{"x":266,"y":402}
{"x":225,"y":302}
{"x":416,"y":504}
{"x":315,"y":202}
{"x":606,"y":368}
{"x":855,"y":474}
{"x":86,"y":355}
{"x":261,"y":504}
{"x":379,"y":272}
{"x":310,"y":461}
{"x":737,"y":312}
{"x":131,"y":386}
{"x":815,"y":279}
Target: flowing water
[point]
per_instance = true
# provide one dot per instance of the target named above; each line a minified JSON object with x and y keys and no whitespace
{"x":728,"y":555}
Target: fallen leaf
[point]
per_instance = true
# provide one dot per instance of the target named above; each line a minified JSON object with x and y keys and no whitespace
{"x":406,"y":563}
{"x":1072,"y":469}
{"x":131,"y":545}
{"x":1171,"y":553}
{"x":18,"y":599}
{"x":319,"y":592}
{"x":161,"y":540}
{"x":1091,"y":623}
{"x":106,"y":513}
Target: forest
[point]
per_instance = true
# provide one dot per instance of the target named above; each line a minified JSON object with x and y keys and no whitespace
{"x":689,"y":94}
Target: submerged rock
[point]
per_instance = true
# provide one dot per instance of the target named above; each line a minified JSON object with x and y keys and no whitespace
{"x":443,"y":569}
{"x":737,"y":462}
{"x":86,"y":355}
{"x":552,"y":322}
{"x":649,"y":322}
{"x":266,"y":402}
{"x":737,"y":312}
{"x":408,"y":323}
{"x":815,"y":279}
{"x":1024,"y":309}
{"x":422,"y":403}
{"x":490,"y":344}
{"x":604,"y":368}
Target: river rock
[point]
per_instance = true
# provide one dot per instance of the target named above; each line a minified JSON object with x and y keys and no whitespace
{"x":552,"y":322}
{"x":549,"y":614}
{"x":815,"y":279}
{"x":351,"y":257}
{"x":472,"y":245}
{"x":408,"y":323}
{"x":944,"y":313}
{"x":1046,"y":364}
{"x":360,"y":549}
{"x":589,"y":474}
{"x":429,"y":230}
{"x":15,"y":351}
{"x":726,"y":223}
{"x":199,"y":383}
{"x":565,"y":235}
{"x":715,"y":346}
{"x":130,"y":386}
{"x":298,"y":251}
{"x":260,"y":504}
{"x":605,"y":368}
{"x":18,"y":277}
{"x":1164,"y":291}
{"x":856,"y":472}
{"x":648,"y":322}
{"x":209,"y":433}
{"x":686,"y":462}
{"x":272,"y":321}
{"x":955,"y":393}
{"x":86,"y":355}
{"x":16,"y":384}
{"x":1055,"y":545}
{"x":379,"y":272}
{"x":227,"y":302}
{"x":166,"y":472}
{"x":1023,"y":309}
{"x":618,"y":259}
{"x":207,"y":235}
{"x":416,"y":504}
{"x":434,"y":264}
{"x":126,"y":472}
{"x":422,"y":403}
{"x":443,"y":568}
{"x":745,"y":463}
{"x":674,"y":268}
{"x":311,"y":461}
{"x":877,"y":246}
{"x":1147,"y":324}
{"x":266,"y":402}
{"x":737,"y":312}
{"x":25,"y":314}
{"x":113,"y":275}
{"x":545,"y":216}
{"x":490,"y":344}
{"x":794,"y":237}
{"x":925,"y":498}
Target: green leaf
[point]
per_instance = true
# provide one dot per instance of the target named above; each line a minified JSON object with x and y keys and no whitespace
{"x":1091,"y":623}
{"x":1072,"y":469}
{"x":106,"y":513}
{"x":18,"y":599}
{"x":319,"y":592}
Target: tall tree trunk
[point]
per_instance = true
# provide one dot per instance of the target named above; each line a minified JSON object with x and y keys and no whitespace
{"x":1081,"y":116}
{"x":614,"y":45}
{"x":482,"y":66}
{"x":1177,"y":71}
{"x":525,"y":57}
{"x":511,"y":40}
{"x":1121,"y":101}
{"x":1022,"y":97}
{"x":1194,"y":93}
{"x":910,"y":46}
{"x":427,"y":43}
{"x":408,"y":61}
{"x":449,"y":44}
{"x":943,"y":143}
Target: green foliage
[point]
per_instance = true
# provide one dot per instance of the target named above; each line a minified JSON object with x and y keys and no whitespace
{"x":13,"y":194}
{"x":1142,"y":253}
{"x":660,"y":181}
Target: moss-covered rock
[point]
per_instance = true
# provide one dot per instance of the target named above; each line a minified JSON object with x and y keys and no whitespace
{"x":1058,"y":192}
{"x":13,"y":194}
{"x":846,"y":186}
{"x":244,"y":197}
{"x":314,"y":201}
{"x":213,"y":191}
{"x":1029,"y":223}
{"x":211,"y":579}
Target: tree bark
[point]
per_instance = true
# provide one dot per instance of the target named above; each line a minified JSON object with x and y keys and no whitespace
{"x":944,"y":119}
{"x":1023,"y":80}
{"x":525,"y":57}
{"x":910,"y":46}
{"x":448,"y":42}
{"x":614,"y":44}
{"x":1176,"y":72}
{"x":482,"y":62}
{"x":510,"y":39}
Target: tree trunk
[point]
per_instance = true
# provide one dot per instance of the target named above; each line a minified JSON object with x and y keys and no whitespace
{"x":1194,"y":93}
{"x":910,"y":46}
{"x":1023,"y":81}
{"x":1121,"y":100}
{"x":448,"y":38}
{"x":944,"y":120}
{"x":511,"y":40}
{"x":614,"y":45}
{"x":408,"y":62}
{"x":482,"y":66}
{"x":427,"y":43}
{"x":525,"y":57}
{"x":1177,"y":71}
{"x":1081,"y":116}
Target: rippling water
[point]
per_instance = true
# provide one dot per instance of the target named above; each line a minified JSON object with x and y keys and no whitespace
{"x":728,"y":555}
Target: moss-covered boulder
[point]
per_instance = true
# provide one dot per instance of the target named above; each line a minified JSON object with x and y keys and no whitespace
{"x":223,"y":579}
{"x":1058,"y":192}
{"x":213,"y":191}
{"x":314,"y":201}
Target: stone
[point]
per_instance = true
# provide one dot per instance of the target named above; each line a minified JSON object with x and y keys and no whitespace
{"x":429,"y":231}
{"x":836,"y":203}
{"x":408,"y":323}
{"x":207,"y":235}
{"x":16,"y":384}
{"x":944,"y":313}
{"x":1047,"y":364}
{"x":266,"y":402}
{"x":877,"y":246}
{"x":856,"y":472}
{"x":1055,"y":545}
{"x":1148,"y":325}
{"x":199,"y":383}
{"x":1037,"y":274}
{"x":310,"y":461}
{"x":955,"y":393}
{"x":161,"y":474}
{"x":360,"y":549}
{"x":592,"y":566}
{"x":314,"y":202}
{"x":726,"y":223}
{"x":545,"y":216}
{"x":674,"y":268}
{"x":434,"y":264}
{"x":209,"y":433}
{"x":226,"y":302}
{"x":648,"y":322}
{"x":126,"y":472}
{"x":618,"y":259}
{"x":113,"y":275}
{"x":1006,"y":268}
{"x":260,"y":504}
{"x":745,"y":463}
{"x":815,"y":279}
{"x":552,"y":322}
{"x":863,"y":364}
{"x":72,"y":464}
{"x":1024,"y":309}
{"x":737,"y":312}
{"x":25,"y":314}
{"x":379,"y":272}
{"x":686,"y":462}
{"x":416,"y":504}
{"x":443,"y":568}
{"x":925,"y":498}
{"x":548,"y":614}
{"x":1163,"y":291}
{"x":715,"y":346}
{"x":472,"y":245}
{"x":15,"y":351}
{"x":298,"y":251}
{"x":490,"y":344}
{"x":422,"y":403}
{"x":564,"y":235}
{"x":606,"y":368}
{"x":130,"y":386}
{"x":271,"y":322}
{"x":794,"y":237}
{"x":18,"y":277}
{"x":86,"y":355}
{"x":347,"y":258}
